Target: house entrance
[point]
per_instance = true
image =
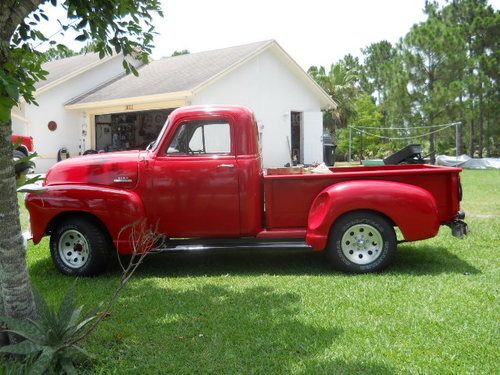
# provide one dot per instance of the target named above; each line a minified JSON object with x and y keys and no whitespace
{"x":296,"y":135}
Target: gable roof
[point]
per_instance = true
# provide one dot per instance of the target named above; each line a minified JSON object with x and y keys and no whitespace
{"x":186,"y":74}
{"x":67,"y":68}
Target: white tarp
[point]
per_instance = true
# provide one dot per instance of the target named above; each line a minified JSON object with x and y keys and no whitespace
{"x":464,"y":161}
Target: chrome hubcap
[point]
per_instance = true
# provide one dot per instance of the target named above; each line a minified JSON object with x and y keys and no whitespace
{"x":362,"y":244}
{"x":73,"y":249}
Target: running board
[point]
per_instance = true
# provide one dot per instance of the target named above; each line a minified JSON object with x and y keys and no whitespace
{"x":232,"y":244}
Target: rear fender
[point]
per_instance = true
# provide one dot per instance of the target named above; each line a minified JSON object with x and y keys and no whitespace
{"x":410,"y":207}
{"x":114,"y":208}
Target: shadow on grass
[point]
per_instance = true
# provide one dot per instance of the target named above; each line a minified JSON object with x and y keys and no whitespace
{"x":212,"y":329}
{"x":410,"y":259}
{"x":417,"y":260}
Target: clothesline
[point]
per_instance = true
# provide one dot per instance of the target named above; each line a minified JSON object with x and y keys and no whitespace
{"x":440,"y":128}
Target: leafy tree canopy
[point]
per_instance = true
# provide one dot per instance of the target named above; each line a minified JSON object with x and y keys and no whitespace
{"x":114,"y":26}
{"x":445,"y":69}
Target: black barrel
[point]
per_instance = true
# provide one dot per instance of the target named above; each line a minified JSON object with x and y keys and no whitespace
{"x":328,"y":150}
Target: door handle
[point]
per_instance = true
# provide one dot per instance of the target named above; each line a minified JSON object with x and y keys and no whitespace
{"x":225,"y":166}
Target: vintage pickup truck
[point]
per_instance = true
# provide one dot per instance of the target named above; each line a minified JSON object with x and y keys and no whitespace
{"x":202,"y":182}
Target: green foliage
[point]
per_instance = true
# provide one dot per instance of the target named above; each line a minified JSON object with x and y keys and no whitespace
{"x":181,"y":52}
{"x":445,"y":69}
{"x":112,"y":26}
{"x":12,"y":367}
{"x":22,"y":165}
{"x":377,"y":68}
{"x":340,"y":84}
{"x":60,"y":51}
{"x":367,"y":114}
{"x":51,"y":340}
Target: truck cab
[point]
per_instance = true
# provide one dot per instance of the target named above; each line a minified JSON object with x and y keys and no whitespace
{"x":203,"y":177}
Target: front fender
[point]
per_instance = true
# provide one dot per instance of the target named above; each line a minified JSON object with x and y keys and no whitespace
{"x":115,"y":208}
{"x":410,"y":207}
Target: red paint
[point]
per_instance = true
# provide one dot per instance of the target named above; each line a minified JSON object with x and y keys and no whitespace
{"x":223,"y":195}
{"x":115,"y":208}
{"x":411,"y":208}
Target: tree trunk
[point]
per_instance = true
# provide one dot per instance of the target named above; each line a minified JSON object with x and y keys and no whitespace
{"x":432,"y":146}
{"x":481,"y":125}
{"x":488,"y":133}
{"x":16,"y":296}
{"x":460,"y":132}
{"x":471,"y":140}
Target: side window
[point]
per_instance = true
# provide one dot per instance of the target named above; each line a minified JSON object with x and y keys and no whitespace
{"x":201,"y":137}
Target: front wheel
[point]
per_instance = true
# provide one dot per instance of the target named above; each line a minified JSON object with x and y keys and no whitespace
{"x":361,"y":242}
{"x":79,"y":247}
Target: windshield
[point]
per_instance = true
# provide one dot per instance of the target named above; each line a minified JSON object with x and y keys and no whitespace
{"x":153,"y":146}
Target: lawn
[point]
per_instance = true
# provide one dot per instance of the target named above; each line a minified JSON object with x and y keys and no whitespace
{"x":434,"y":311}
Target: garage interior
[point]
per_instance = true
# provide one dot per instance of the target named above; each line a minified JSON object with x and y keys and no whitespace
{"x":129,"y":130}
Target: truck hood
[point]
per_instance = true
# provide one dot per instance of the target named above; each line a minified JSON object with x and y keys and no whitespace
{"x":114,"y":169}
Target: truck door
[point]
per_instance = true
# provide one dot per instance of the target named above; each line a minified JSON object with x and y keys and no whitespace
{"x":194,"y":185}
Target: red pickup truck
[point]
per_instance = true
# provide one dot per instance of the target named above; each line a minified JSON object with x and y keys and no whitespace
{"x":203,"y":183}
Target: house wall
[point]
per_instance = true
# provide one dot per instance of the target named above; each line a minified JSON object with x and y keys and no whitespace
{"x":20,"y":124}
{"x":272,"y":91}
{"x":70,"y":124}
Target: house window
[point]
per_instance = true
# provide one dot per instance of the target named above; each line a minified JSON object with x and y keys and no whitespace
{"x":206,"y":137}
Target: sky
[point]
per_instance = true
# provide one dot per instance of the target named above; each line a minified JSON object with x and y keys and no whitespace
{"x":313,"y":32}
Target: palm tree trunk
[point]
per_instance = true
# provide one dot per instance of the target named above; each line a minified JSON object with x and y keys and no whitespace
{"x":16,"y":296}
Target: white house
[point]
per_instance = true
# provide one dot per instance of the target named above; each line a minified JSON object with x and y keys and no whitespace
{"x":87,"y":103}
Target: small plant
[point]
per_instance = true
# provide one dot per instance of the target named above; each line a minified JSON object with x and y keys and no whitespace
{"x":51,"y":341}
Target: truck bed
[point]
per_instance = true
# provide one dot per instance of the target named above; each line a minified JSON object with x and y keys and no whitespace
{"x":288,"y":197}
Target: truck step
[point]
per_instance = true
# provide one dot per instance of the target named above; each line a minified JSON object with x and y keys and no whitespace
{"x":186,"y":245}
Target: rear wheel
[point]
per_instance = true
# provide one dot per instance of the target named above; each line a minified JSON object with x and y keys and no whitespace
{"x":79,"y":247}
{"x":361,"y":242}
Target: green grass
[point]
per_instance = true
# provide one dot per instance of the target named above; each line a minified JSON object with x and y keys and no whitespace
{"x":434,"y":311}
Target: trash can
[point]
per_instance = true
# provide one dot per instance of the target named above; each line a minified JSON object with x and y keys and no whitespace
{"x":328,"y":150}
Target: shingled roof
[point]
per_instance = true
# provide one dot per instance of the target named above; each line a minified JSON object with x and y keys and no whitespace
{"x":172,"y":74}
{"x":181,"y":76}
{"x":62,"y":69}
